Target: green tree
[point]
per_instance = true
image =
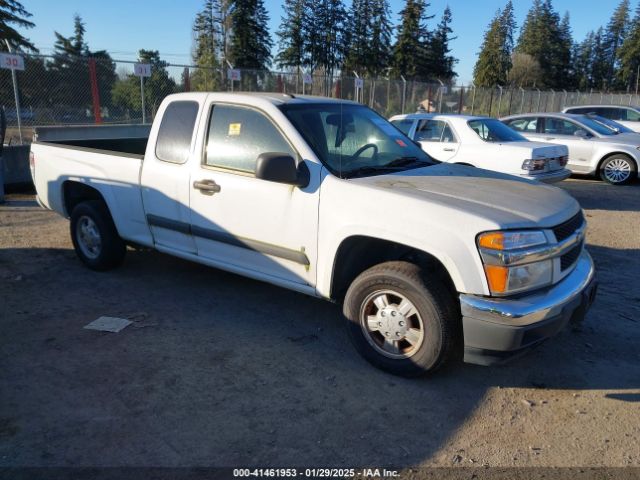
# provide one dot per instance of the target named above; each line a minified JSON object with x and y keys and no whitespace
{"x":326,"y":26}
{"x":614,"y":36}
{"x":381,"y":32}
{"x":542,"y":37}
{"x":13,"y":13}
{"x":599,"y":61}
{"x":492,"y":67}
{"x":410,"y":52}
{"x":583,"y":55}
{"x":250,"y":40}
{"x":358,"y":41}
{"x":69,"y":70}
{"x":206,"y":50}
{"x":442,"y":62}
{"x":126,"y":91}
{"x":629,"y":54}
{"x":291,"y":35}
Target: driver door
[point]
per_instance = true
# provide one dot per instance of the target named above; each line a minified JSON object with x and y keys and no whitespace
{"x":264,"y":228}
{"x":563,"y":132}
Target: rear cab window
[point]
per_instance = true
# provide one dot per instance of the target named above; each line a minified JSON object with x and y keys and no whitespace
{"x":176,"y":130}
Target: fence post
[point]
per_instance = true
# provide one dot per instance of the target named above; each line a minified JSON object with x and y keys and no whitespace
{"x":429,"y":99}
{"x":144,"y":113}
{"x":95,"y":93}
{"x":510,"y":100}
{"x":539,"y":95}
{"x":499,"y":102}
{"x":404,"y":91}
{"x":473,"y":99}
{"x":490,"y":102}
{"x":553,"y":100}
{"x":441,"y":90}
{"x":16,"y":97}
{"x":522,"y":101}
{"x":461,"y":100}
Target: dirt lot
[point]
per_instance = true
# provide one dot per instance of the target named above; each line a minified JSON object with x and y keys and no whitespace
{"x":220,"y":370}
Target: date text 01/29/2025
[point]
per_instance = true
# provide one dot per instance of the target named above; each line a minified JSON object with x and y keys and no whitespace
{"x":314,"y":473}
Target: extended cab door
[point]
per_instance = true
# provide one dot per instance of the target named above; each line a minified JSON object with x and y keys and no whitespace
{"x":164,"y":180}
{"x":267,"y":229}
{"x":437,"y":139}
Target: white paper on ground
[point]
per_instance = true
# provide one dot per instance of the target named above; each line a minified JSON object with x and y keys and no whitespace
{"x":108,"y":324}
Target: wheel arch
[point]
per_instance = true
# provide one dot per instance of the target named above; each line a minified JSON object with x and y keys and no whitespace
{"x":357,"y":253}
{"x":612,"y":154}
{"x":74,"y":192}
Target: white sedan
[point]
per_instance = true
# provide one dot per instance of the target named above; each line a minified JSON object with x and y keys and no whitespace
{"x":485,"y":143}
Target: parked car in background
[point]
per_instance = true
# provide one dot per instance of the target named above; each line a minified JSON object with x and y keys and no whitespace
{"x":327,"y":198}
{"x":626,"y":115}
{"x":594,"y":148}
{"x":485,"y":143}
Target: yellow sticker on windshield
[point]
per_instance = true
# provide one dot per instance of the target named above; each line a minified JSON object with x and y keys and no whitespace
{"x":234,"y":128}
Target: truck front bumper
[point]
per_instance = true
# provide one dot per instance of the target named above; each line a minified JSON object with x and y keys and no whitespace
{"x":497,"y":329}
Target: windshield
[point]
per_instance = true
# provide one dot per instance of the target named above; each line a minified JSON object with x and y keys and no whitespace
{"x":492,"y":130}
{"x":595,"y":126}
{"x":615,"y":126}
{"x":353,"y":140}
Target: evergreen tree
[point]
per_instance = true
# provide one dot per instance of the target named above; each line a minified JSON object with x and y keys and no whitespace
{"x":542,"y":38}
{"x":508,"y":25}
{"x":492,"y":67}
{"x":599,"y":61}
{"x":583,"y":62}
{"x":250,"y":40}
{"x":381,"y":32}
{"x":367,"y":37}
{"x":567,"y":77}
{"x":358,"y":29}
{"x":13,"y":13}
{"x":614,"y":36}
{"x":410,"y":52}
{"x":70,"y":70}
{"x":629,"y":54}
{"x":325,"y":28}
{"x":205,"y":55}
{"x":441,"y":61}
{"x":291,"y":35}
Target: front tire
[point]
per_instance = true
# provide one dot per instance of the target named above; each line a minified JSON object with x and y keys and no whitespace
{"x":401,"y":321}
{"x":94,"y":236}
{"x":618,"y":170}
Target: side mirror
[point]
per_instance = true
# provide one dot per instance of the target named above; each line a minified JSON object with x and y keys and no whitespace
{"x":581,"y":133}
{"x":281,"y":168}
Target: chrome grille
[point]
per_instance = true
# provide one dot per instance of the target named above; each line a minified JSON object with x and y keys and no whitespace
{"x":568,"y":228}
{"x":569,"y":258}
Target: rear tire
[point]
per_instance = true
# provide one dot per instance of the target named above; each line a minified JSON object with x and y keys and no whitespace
{"x":94,"y":236}
{"x":618,"y":170}
{"x":400,"y":321}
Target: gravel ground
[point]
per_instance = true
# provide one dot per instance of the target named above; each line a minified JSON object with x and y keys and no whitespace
{"x":219,"y":370}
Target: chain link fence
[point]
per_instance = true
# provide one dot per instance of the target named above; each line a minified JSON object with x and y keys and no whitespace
{"x":55,"y":90}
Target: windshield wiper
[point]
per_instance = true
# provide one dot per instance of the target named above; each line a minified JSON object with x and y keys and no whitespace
{"x":404,"y":161}
{"x":365,"y":170}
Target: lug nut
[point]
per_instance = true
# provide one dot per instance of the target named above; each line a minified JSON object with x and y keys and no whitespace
{"x":383,"y":314}
{"x":401,"y":323}
{"x":397,"y":334}
{"x":393,"y":313}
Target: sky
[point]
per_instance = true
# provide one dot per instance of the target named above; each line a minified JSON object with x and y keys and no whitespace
{"x":123,"y":27}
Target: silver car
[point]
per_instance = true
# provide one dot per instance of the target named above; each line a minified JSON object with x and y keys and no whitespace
{"x":594,"y":148}
{"x":627,"y":115}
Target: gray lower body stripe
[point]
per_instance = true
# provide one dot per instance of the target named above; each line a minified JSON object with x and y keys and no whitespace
{"x":229,"y":239}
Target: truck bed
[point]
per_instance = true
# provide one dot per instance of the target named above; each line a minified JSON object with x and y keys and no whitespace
{"x":115,"y":139}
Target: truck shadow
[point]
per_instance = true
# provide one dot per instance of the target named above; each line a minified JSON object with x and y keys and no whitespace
{"x":218,"y":370}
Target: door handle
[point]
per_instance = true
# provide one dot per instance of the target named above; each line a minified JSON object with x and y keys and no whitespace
{"x":206,"y":187}
{"x":549,"y":138}
{"x":449,"y":149}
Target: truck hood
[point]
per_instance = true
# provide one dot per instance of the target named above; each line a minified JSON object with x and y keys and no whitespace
{"x":506,"y":200}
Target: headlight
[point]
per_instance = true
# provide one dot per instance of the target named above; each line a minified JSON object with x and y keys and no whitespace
{"x":510,"y":262}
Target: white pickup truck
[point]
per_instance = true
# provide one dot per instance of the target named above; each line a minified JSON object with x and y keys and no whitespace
{"x":431,"y":261}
